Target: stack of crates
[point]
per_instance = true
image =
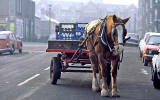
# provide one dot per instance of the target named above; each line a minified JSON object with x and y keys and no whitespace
{"x":70,"y":31}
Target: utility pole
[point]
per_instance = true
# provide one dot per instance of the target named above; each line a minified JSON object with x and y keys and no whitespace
{"x":135,"y":23}
{"x":50,"y":8}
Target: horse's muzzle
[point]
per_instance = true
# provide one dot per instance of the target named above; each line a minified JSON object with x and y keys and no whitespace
{"x":119,"y":50}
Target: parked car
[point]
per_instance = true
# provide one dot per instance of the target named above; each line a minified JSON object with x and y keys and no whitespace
{"x":134,"y":39}
{"x":142,"y":43}
{"x":155,"y":69}
{"x":9,"y":43}
{"x":150,"y":47}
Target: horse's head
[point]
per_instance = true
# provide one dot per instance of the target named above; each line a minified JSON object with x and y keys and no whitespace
{"x":116,"y":31}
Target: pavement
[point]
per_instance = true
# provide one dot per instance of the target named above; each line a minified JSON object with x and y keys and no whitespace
{"x":26,"y":77}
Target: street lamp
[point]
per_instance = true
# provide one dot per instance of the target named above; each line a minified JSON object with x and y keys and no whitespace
{"x":50,"y":8}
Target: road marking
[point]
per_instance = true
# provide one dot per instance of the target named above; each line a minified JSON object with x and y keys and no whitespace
{"x":144,"y":71}
{"x":27,"y":80}
{"x":47,"y":68}
{"x":31,"y":91}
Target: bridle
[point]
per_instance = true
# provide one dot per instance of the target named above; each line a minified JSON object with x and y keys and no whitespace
{"x":103,"y":38}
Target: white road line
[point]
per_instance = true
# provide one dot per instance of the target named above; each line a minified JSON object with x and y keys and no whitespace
{"x":144,"y":71}
{"x":47,"y":68}
{"x":27,"y":80}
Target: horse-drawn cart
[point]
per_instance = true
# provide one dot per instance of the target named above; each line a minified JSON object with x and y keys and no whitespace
{"x":105,"y":40}
{"x":70,"y":49}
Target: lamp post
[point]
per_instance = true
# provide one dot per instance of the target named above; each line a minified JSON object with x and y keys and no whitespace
{"x":50,"y":8}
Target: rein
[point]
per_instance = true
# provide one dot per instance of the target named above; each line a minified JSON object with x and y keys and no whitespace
{"x":102,"y":37}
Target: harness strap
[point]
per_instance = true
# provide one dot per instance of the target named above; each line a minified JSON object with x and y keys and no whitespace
{"x":102,"y":37}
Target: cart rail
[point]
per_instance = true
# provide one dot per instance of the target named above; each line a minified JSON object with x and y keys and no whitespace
{"x":64,"y":51}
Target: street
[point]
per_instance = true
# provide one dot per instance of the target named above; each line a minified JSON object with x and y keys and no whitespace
{"x":26,"y":77}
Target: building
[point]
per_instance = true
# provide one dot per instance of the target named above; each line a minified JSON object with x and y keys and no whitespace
{"x":149,"y":16}
{"x":37,"y":32}
{"x":18,"y":17}
{"x":45,"y":31}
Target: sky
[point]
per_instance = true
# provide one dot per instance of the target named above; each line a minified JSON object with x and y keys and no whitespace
{"x":122,"y":2}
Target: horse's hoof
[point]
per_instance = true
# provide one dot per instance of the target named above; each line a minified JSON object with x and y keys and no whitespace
{"x":96,"y":89}
{"x":95,"y":85}
{"x":115,"y":95}
{"x":104,"y":93}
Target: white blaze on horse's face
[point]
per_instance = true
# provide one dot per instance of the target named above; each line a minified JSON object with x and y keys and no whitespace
{"x":120,"y":34}
{"x":120,"y":38}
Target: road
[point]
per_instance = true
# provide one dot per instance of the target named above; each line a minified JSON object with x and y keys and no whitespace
{"x":26,"y":77}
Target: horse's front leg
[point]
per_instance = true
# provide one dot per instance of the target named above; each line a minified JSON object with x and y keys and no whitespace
{"x":103,"y":69}
{"x":94,"y":64}
{"x":114,"y":68}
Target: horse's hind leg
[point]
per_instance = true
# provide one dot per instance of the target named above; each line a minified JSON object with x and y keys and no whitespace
{"x":94,"y":64}
{"x":115,"y":92}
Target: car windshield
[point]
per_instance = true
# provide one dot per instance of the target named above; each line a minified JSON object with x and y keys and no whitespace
{"x":133,"y":36}
{"x":3,"y":36}
{"x":154,"y":40}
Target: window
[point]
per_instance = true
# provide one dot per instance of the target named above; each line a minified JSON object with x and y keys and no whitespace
{"x":20,"y":6}
{"x":156,"y":13}
{"x":3,"y":36}
{"x":151,"y":3}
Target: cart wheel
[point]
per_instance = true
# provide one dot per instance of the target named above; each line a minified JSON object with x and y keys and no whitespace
{"x":55,"y":68}
{"x":59,"y":64}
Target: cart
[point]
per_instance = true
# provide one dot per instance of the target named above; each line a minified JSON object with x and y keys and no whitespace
{"x":68,"y":57}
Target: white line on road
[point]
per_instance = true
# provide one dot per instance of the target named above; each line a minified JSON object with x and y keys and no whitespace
{"x":47,"y":68}
{"x":27,"y":80}
{"x":144,"y":71}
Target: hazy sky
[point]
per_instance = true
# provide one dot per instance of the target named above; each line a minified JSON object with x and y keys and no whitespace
{"x":123,"y":2}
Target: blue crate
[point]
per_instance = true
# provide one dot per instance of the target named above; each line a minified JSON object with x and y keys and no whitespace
{"x":71,"y":31}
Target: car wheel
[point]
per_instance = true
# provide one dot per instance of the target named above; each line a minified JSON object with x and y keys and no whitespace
{"x":20,"y":50}
{"x":142,"y":60}
{"x":156,"y":81}
{"x":12,"y":50}
{"x":145,"y":62}
{"x":140,"y":54}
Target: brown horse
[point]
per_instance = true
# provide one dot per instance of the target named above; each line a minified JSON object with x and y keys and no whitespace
{"x":105,"y":44}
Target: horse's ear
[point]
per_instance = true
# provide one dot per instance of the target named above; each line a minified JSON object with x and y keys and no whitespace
{"x":115,"y":18}
{"x":125,"y":20}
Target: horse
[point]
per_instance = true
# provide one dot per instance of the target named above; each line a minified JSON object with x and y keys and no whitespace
{"x":105,"y":45}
